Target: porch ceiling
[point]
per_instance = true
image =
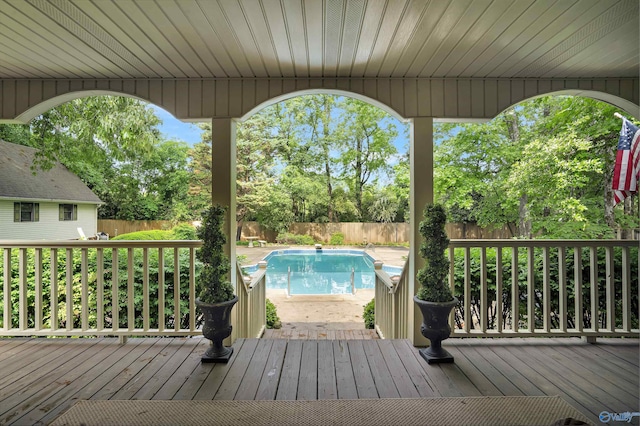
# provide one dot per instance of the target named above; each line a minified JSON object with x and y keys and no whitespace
{"x":71,"y":39}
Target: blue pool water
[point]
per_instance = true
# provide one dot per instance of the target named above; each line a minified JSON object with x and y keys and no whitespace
{"x":320,"y":271}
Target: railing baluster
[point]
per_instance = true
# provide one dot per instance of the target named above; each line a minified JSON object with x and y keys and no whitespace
{"x":130,"y":288}
{"x":145,"y":289}
{"x":69,"y":289}
{"x":38,"y":284}
{"x":100,"y":289}
{"x":6,"y":291}
{"x":484,"y":307}
{"x":192,"y":289}
{"x":515,"y":291}
{"x":546,"y":291}
{"x":499,"y":322}
{"x":531,"y":300}
{"x":626,"y":290}
{"x":176,"y":289}
{"x":562,"y":288}
{"x":54,"y":289}
{"x":22,"y":290}
{"x":577,"y":279}
{"x":84,"y":295}
{"x":610,"y":290}
{"x":593,"y":285}
{"x":467,"y":289}
{"x":452,"y":286}
{"x":161,"y":302}
{"x":115,"y":303}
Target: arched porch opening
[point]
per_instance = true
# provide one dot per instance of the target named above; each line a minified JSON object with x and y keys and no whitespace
{"x":336,"y":103}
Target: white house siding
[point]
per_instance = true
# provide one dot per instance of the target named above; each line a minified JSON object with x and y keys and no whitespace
{"x":49,"y":227}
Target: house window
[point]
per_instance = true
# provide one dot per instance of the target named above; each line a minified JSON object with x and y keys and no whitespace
{"x":68,"y":212}
{"x":26,"y":212}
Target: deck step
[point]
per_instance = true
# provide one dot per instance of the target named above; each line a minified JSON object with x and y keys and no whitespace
{"x":311,"y":331}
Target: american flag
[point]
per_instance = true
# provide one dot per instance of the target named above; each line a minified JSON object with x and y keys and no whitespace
{"x":627,"y":169}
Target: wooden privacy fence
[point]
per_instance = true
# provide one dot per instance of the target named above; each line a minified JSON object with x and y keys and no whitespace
{"x":376,"y":233}
{"x":118,"y":227}
{"x":354,"y":232}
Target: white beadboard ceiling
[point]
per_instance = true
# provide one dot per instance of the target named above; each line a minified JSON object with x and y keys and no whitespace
{"x":318,"y":38}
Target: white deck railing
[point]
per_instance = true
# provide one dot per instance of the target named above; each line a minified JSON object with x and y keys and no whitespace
{"x":505,"y":287}
{"x":70,"y":288}
{"x":516,"y":288}
{"x":545,"y":287}
{"x":392,"y":304}
{"x":251,"y":311}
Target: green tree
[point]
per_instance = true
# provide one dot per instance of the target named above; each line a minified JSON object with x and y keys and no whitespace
{"x":471,"y":164}
{"x":96,"y":129}
{"x":367,"y":136}
{"x":200,"y":177}
{"x":545,"y":165}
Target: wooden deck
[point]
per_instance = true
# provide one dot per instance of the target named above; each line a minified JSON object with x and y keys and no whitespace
{"x":40,"y":378}
{"x":322,"y":334}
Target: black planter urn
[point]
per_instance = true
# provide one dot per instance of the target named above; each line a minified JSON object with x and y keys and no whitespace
{"x":217,"y":327}
{"x":435,"y":327}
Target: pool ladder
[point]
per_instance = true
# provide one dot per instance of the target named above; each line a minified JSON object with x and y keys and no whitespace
{"x":289,"y":281}
{"x":353,"y":281}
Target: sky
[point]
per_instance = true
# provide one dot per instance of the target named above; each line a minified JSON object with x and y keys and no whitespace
{"x":172,"y":128}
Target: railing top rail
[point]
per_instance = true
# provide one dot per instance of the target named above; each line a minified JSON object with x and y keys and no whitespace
{"x":99,"y":244}
{"x":542,"y":243}
{"x":384,"y":277}
{"x":257,"y":277}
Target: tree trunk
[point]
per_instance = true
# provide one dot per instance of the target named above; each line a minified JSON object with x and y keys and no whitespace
{"x":358,"y":182}
{"x":524,"y":223}
{"x":326,"y":133}
{"x":330,"y":212}
{"x":239,"y":229}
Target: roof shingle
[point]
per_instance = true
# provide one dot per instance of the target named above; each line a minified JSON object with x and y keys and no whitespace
{"x":18,"y":181}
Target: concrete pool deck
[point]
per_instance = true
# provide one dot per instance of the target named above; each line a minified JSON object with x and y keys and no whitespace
{"x":332,"y":312}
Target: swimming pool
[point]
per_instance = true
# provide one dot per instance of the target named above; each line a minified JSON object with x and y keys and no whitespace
{"x":320,"y":271}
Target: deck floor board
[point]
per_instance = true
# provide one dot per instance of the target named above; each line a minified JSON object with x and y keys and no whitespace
{"x":591,"y":377}
{"x":345,"y":380}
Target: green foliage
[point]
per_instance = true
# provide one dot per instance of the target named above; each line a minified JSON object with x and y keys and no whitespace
{"x":156,"y":234}
{"x":433,"y":275}
{"x":277,"y":213}
{"x":543,"y":167}
{"x":366,"y":140}
{"x":273,"y":320}
{"x":213,"y":280}
{"x":369,"y":314}
{"x":289,"y":238}
{"x":337,"y":239}
{"x":184,"y":231}
{"x":383,"y":209}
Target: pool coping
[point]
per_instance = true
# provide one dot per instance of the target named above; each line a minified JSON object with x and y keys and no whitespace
{"x":390,"y":269}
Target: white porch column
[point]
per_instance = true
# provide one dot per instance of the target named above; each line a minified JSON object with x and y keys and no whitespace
{"x":420,"y":193}
{"x":223,"y":178}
